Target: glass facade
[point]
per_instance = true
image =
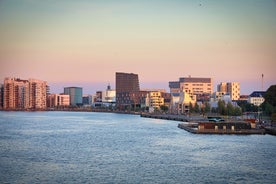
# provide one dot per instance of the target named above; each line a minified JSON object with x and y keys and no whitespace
{"x":75,"y":94}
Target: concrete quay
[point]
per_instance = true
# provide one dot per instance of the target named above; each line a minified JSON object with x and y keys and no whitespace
{"x":193,"y":128}
{"x":174,"y":117}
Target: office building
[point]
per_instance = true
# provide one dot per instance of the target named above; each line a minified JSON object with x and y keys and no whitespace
{"x":127,"y":83}
{"x":192,"y":85}
{"x":58,"y":100}
{"x":201,"y":87}
{"x":75,"y":94}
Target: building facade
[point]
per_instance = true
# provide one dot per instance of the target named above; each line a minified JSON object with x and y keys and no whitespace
{"x":75,"y":94}
{"x":58,"y":100}
{"x":38,"y":94}
{"x":127,"y":82}
{"x":231,"y":88}
{"x":127,"y":90}
{"x":109,"y":95}
{"x":191,"y":85}
{"x":24,"y":94}
{"x":154,"y":99}
{"x":256,"y":98}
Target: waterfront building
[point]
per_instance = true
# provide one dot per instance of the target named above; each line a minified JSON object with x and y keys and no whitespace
{"x":167,"y":98}
{"x":75,"y":94}
{"x":191,"y":89}
{"x":154,"y":99}
{"x":1,"y":96}
{"x":127,"y":90}
{"x":185,"y":99}
{"x":174,"y":104}
{"x":87,"y":100}
{"x":127,"y":82}
{"x":192,"y":85}
{"x":256,"y":98}
{"x":109,"y":95}
{"x":24,"y":94}
{"x":38,"y":94}
{"x":232,"y":88}
{"x":217,"y":96}
{"x":58,"y":100}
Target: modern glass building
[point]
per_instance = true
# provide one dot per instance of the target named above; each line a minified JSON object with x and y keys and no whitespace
{"x":75,"y":94}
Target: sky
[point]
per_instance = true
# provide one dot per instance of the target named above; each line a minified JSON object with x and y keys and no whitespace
{"x":83,"y":43}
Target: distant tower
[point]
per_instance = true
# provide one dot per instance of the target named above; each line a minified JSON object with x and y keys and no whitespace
{"x":262,"y":82}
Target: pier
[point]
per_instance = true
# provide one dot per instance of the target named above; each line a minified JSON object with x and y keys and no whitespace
{"x":227,"y":128}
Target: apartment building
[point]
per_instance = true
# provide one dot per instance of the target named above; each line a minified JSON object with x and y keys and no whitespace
{"x":24,"y":94}
{"x":231,"y":88}
{"x":154,"y":99}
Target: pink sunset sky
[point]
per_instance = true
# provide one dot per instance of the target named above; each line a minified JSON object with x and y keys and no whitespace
{"x":85,"y":42}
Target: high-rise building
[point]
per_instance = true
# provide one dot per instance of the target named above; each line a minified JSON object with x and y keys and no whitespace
{"x":231,"y":88}
{"x":38,"y":93}
{"x":75,"y":94}
{"x":127,"y":83}
{"x":24,"y":94}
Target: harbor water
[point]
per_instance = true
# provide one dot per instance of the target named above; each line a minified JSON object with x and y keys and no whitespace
{"x":89,"y":147}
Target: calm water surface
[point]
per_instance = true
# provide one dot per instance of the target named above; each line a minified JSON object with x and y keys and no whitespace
{"x":84,"y":147}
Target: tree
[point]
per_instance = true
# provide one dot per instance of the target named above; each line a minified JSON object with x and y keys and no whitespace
{"x":164,"y":108}
{"x":269,"y":105}
{"x":191,"y":108}
{"x":230,"y":109}
{"x":237,"y":111}
{"x":207,"y":107}
{"x":196,"y":108}
{"x":270,"y":95}
{"x":221,"y":107}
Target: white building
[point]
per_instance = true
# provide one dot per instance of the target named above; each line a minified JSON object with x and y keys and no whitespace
{"x":185,"y":99}
{"x":256,"y":98}
{"x":109,"y":95}
{"x":192,"y":85}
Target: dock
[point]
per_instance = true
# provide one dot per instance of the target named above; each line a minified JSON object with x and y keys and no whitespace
{"x":194,"y":128}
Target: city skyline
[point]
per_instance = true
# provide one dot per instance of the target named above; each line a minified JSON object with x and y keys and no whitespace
{"x":84,"y":43}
